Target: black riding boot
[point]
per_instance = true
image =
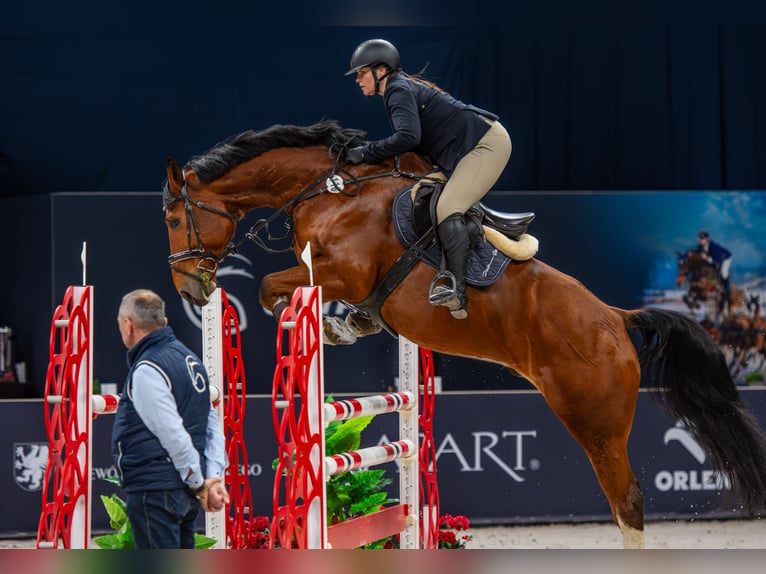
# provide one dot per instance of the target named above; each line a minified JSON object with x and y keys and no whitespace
{"x":456,"y":242}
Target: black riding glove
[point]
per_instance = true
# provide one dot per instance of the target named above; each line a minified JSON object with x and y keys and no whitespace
{"x":355,"y":155}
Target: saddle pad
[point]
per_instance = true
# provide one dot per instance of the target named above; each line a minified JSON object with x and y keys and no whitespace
{"x":485,"y":263}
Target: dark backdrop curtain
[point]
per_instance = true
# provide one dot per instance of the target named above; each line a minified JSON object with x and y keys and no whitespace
{"x":99,"y":102}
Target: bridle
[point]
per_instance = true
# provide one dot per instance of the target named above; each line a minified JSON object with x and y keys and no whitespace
{"x":201,"y":253}
{"x":335,"y":183}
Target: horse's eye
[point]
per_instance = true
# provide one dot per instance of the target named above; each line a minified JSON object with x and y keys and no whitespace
{"x":174,"y":223}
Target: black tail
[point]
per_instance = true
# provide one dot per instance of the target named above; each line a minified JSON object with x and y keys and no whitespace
{"x":696,"y":386}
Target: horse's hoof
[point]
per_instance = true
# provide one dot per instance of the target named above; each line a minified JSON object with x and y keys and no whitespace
{"x":337,"y":332}
{"x":362,"y":325}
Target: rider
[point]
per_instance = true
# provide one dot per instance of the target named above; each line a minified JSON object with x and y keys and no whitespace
{"x":467,"y":143}
{"x":718,"y":256}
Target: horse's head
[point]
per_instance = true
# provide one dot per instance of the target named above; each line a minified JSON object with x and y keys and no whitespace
{"x":254,"y":169}
{"x":200,"y":229}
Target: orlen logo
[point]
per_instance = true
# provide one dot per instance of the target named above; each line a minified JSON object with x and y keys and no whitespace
{"x":692,"y":479}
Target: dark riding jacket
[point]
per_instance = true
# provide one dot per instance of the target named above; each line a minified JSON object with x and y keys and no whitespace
{"x":717,"y":252}
{"x":430,"y":122}
{"x":141,"y":459}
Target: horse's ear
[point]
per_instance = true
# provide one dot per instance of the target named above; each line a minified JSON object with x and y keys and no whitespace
{"x":175,"y":176}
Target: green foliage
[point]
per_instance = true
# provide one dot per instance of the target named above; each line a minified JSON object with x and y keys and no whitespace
{"x":357,"y":492}
{"x":202,"y":542}
{"x":122,"y":539}
{"x":756,"y":376}
{"x":343,"y":436}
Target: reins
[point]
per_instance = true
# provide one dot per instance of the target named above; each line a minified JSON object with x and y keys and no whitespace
{"x":334,"y":183}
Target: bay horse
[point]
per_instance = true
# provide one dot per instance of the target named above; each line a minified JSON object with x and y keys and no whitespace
{"x":705,"y":285}
{"x":539,"y":322}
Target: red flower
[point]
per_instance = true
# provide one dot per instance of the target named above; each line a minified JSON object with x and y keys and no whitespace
{"x":447,"y":537}
{"x":460,"y":523}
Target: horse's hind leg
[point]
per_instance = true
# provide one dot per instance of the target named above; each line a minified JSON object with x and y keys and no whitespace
{"x":600,"y":418}
{"x":610,"y":461}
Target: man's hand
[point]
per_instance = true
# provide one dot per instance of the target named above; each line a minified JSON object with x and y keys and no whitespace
{"x":216,"y":496}
{"x":355,"y":155}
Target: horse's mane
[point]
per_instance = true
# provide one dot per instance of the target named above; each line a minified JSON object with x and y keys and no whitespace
{"x":225,"y":156}
{"x":228,"y":154}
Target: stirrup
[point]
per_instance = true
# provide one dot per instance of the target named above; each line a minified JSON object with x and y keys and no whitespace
{"x":447,"y":295}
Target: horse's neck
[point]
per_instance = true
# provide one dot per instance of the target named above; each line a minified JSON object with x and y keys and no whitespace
{"x":276,"y":177}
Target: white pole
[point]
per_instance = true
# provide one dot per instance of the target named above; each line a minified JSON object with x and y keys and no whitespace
{"x":80,"y":532}
{"x":84,"y":259}
{"x":409,"y":476}
{"x":212,"y":349}
{"x":316,"y":515}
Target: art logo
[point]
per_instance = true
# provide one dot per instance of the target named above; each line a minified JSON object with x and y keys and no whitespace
{"x":506,"y":450}
{"x":29,"y":462}
{"x":681,"y":479}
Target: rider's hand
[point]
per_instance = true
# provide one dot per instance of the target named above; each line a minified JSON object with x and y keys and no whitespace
{"x":355,"y":155}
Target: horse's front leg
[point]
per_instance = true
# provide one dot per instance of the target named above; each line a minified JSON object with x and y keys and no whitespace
{"x":277,"y":290}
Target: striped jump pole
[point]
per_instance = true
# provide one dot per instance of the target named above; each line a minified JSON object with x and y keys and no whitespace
{"x":300,"y":417}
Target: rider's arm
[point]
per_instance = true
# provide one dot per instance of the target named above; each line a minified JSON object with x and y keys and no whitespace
{"x":405,"y":120}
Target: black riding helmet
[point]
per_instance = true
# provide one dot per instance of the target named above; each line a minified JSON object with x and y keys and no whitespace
{"x":374,"y":52}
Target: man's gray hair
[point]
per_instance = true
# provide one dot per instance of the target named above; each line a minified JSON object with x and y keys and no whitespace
{"x":145,"y":308}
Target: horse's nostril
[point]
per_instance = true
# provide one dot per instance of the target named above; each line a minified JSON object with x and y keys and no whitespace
{"x":186,"y":295}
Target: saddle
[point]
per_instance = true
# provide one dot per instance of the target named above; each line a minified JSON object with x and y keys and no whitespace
{"x":425,"y":194}
{"x":414,"y":215}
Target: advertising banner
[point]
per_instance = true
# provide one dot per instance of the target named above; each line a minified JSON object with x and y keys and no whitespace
{"x":502,"y":458}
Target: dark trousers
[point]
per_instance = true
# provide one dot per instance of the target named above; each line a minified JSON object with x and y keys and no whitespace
{"x":162,"y":518}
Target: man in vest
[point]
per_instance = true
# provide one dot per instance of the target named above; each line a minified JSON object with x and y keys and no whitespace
{"x":167,"y":441}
